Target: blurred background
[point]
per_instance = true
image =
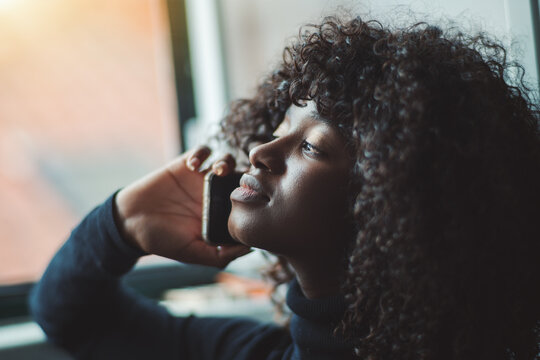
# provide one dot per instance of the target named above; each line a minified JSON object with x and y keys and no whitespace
{"x":86,"y":105}
{"x":96,"y":93}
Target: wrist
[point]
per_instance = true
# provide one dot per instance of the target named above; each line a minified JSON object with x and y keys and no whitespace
{"x":121,"y":221}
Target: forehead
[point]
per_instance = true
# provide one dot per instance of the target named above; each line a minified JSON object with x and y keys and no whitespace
{"x":307,"y":112}
{"x":307,"y":116}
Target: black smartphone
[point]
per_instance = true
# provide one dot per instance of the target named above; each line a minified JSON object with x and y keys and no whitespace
{"x":217,"y":207}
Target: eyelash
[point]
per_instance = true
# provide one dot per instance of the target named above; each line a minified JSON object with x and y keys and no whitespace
{"x":308,"y":147}
{"x":311,"y":149}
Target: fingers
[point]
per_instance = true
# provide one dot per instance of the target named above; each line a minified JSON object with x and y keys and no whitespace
{"x":197,"y":157}
{"x":224,"y":166}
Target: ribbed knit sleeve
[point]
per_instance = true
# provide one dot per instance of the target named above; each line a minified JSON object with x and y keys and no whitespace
{"x":82,"y":305}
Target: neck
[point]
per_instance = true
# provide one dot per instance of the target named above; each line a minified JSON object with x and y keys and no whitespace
{"x":317,"y":279}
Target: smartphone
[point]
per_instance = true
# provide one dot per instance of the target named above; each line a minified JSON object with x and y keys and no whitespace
{"x":217,"y":207}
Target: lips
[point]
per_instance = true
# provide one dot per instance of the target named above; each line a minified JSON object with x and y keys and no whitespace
{"x":250,"y":190}
{"x":250,"y":182}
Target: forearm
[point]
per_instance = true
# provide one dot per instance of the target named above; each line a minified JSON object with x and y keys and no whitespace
{"x":80,"y":301}
{"x":80,"y":290}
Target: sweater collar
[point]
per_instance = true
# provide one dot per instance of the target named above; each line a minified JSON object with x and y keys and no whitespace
{"x":327,"y":309}
{"x":312,"y":325}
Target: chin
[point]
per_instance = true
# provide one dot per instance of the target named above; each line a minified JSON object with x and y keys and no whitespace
{"x":235,"y":227}
{"x":242,"y":229}
{"x":246,"y":230}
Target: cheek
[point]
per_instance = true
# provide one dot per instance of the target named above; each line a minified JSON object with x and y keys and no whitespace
{"x":313,"y":208}
{"x":307,"y":211}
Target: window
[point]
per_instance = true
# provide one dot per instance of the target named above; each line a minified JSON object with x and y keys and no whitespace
{"x":87,"y":105}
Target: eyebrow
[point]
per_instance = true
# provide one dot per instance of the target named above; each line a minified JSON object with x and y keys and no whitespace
{"x":315,"y":115}
{"x":329,"y":123}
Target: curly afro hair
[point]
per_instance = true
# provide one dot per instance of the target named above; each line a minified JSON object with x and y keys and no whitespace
{"x":444,"y":201}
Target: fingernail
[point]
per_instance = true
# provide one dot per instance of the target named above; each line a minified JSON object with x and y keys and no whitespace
{"x":193,"y":163}
{"x":219,"y":167}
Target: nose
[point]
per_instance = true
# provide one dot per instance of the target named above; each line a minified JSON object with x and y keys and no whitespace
{"x":267,"y":157}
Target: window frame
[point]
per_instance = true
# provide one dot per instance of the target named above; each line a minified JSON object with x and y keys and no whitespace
{"x":149,"y":280}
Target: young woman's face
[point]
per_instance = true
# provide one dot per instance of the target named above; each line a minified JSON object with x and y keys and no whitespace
{"x":292,"y":201}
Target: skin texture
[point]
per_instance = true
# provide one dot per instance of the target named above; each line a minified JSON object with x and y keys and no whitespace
{"x":161,"y":213}
{"x":304,"y":172}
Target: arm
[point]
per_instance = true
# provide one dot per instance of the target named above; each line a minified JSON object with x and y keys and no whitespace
{"x":81,"y":304}
{"x":80,"y":301}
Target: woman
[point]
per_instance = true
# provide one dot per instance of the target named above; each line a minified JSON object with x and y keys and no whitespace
{"x":394,"y":172}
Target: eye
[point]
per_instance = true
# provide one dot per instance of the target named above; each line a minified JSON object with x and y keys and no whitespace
{"x":311,"y":149}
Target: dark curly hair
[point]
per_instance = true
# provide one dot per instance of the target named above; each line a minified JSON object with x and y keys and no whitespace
{"x":444,"y":262}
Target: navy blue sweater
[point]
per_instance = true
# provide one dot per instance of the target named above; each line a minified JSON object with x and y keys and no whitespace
{"x":82,"y":306}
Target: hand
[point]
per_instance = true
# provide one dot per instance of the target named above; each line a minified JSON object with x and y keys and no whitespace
{"x":161,"y":213}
